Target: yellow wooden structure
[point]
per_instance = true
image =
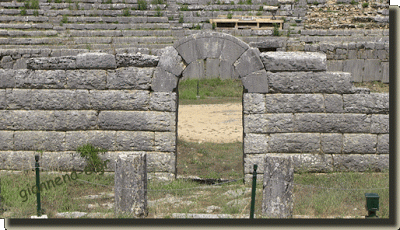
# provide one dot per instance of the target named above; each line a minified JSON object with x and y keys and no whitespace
{"x":240,"y":22}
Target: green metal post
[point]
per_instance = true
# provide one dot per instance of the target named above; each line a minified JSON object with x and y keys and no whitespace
{"x":39,"y":210}
{"x":253,"y":192}
{"x":198,"y":87}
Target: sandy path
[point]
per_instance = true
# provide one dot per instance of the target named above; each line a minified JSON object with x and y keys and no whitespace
{"x":221,"y":123}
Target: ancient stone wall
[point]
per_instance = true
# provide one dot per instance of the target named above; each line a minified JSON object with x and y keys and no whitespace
{"x":127,"y":103}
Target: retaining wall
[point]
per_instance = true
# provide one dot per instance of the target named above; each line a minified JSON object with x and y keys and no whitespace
{"x":127,"y":103}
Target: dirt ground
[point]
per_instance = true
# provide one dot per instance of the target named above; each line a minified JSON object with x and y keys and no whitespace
{"x":218,"y":123}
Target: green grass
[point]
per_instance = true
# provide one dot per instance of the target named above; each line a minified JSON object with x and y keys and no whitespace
{"x":374,"y":86}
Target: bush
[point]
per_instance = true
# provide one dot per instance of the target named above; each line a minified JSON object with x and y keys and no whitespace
{"x":180,"y":18}
{"x":127,"y":12}
{"x":23,"y":12}
{"x":315,"y":3}
{"x":276,"y":30}
{"x":90,"y":153}
{"x":184,"y":8}
{"x":249,"y":2}
{"x":142,"y":5}
{"x":36,"y":13}
{"x":64,"y":19}
{"x":353,"y":2}
{"x":229,"y":16}
{"x":365,"y":5}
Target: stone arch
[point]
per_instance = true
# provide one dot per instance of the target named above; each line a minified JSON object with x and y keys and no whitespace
{"x":228,"y":49}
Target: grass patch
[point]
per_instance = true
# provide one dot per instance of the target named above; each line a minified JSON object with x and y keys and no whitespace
{"x":374,"y":86}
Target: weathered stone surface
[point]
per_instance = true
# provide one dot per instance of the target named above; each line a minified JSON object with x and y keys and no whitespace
{"x":268,"y":123}
{"x":119,"y":99}
{"x":171,"y":61}
{"x":277,"y":187}
{"x":359,"y":143}
{"x":163,"y":101}
{"x":255,"y":143}
{"x":253,"y":103}
{"x":98,"y":138}
{"x":361,"y":163}
{"x":256,"y":82}
{"x":95,"y":61}
{"x":134,"y":141}
{"x":194,"y":70}
{"x":294,"y":143}
{"x":294,"y":103}
{"x":161,"y":162}
{"x":383,"y":144}
{"x":6,"y":140}
{"x":209,"y":47}
{"x":385,"y":72}
{"x":333,"y":103}
{"x":52,"y":63}
{"x":212,"y":68}
{"x":165,"y":141}
{"x":366,"y":103}
{"x":227,"y":71}
{"x":130,"y":78}
{"x":334,"y":66}
{"x":380,"y":123}
{"x":131,"y":185}
{"x":293,"y":61}
{"x":355,"y":67}
{"x":7,"y":77}
{"x":231,"y":52}
{"x":40,"y":79}
{"x":270,"y":43}
{"x":248,"y":62}
{"x":331,"y":143}
{"x":86,"y":79}
{"x":3,"y":101}
{"x":48,"y":120}
{"x":48,"y":99}
{"x":164,"y":81}
{"x":331,"y":123}
{"x":310,"y":82}
{"x":39,"y":140}
{"x":372,"y":70}
{"x":188,"y":51}
{"x":137,"y":120}
{"x":136,"y":60}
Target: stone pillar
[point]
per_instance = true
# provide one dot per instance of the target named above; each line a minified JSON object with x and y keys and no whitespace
{"x":131,"y":185}
{"x":278,"y":183}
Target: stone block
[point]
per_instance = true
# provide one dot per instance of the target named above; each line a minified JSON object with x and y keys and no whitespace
{"x":332,"y":123}
{"x":360,"y":162}
{"x":359,"y":143}
{"x":131,"y":185}
{"x":7,"y":77}
{"x":163,"y":101}
{"x":334,"y":66}
{"x":130,"y":78}
{"x":40,"y":79}
{"x":194,"y":70}
{"x":164,"y":81}
{"x":294,"y":143}
{"x":212,"y":68}
{"x":253,"y":103}
{"x":333,"y":103}
{"x":3,"y":101}
{"x":380,"y":123}
{"x":86,"y":79}
{"x":165,"y":141}
{"x":6,"y":140}
{"x":99,"y":139}
{"x":385,"y":72}
{"x":383,"y":144}
{"x":134,"y":141}
{"x":294,"y":103}
{"x":137,"y":121}
{"x":38,"y":99}
{"x":160,"y":162}
{"x":256,"y":82}
{"x":372,"y":70}
{"x":171,"y":61}
{"x":95,"y":61}
{"x":277,"y":187}
{"x":310,"y":82}
{"x":231,"y":52}
{"x":209,"y":47}
{"x":255,"y":143}
{"x":355,"y":67}
{"x":39,"y":140}
{"x":226,"y":70}
{"x":136,"y":60}
{"x":366,"y":103}
{"x":52,"y":63}
{"x":50,"y":120}
{"x":331,"y":143}
{"x":248,"y":62}
{"x":352,"y":54}
{"x":119,"y":99}
{"x":294,"y":61}
{"x":268,"y":123}
{"x":188,"y":51}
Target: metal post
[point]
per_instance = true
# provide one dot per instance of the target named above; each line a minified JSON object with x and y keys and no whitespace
{"x":198,"y":87}
{"x":39,"y":210}
{"x":253,"y":192}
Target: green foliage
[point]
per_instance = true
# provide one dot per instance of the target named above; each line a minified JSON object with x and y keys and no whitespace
{"x":170,"y":18}
{"x":229,"y":16}
{"x":260,"y":8}
{"x":35,"y":13}
{"x":315,"y":3}
{"x":109,"y":2}
{"x":23,"y":12}
{"x":259,"y":13}
{"x":276,"y":30}
{"x":353,"y":2}
{"x":155,"y":2}
{"x":365,"y":4}
{"x":33,"y":4}
{"x":158,"y":13}
{"x":213,"y":25}
{"x":77,"y":5}
{"x":142,"y":5}
{"x":232,"y":3}
{"x":126,"y":12}
{"x":241,"y":2}
{"x":184,"y":8}
{"x":90,"y":153}
{"x":249,"y":2}
{"x":180,"y":18}
{"x":64,"y":19}
{"x":57,"y":1}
